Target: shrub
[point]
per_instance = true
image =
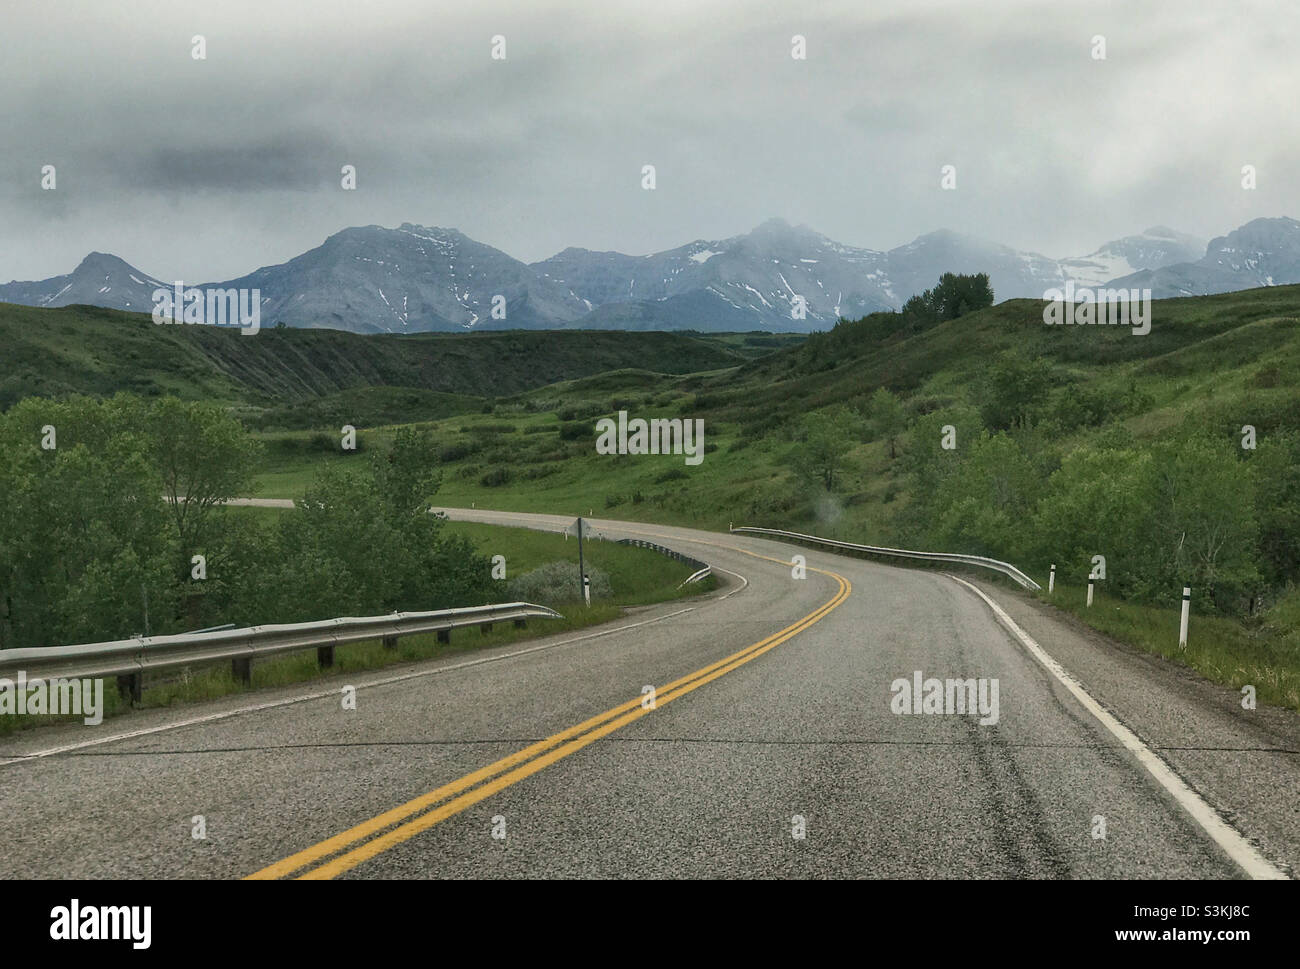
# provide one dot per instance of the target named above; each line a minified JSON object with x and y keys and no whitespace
{"x":579,"y":410}
{"x":495,"y":478}
{"x":456,"y":452}
{"x":672,"y":474}
{"x":558,"y":582}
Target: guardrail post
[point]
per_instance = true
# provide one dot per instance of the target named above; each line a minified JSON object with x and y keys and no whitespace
{"x":390,"y":642}
{"x":242,"y":669}
{"x":129,"y":687}
{"x":485,"y":628}
{"x":521,"y":623}
{"x":325,"y":656}
{"x":444,"y":635}
{"x":1182,"y":623}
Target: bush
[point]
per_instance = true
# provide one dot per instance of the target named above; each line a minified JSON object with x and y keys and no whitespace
{"x":558,"y":582}
{"x":580,"y":409}
{"x":575,"y":430}
{"x":495,"y":478}
{"x":333,"y":444}
{"x":456,"y":452}
{"x":672,"y":474}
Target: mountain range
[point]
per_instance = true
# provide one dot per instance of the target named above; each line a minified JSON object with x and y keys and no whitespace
{"x":370,"y":279}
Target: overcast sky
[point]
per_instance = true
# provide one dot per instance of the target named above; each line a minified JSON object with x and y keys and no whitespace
{"x":205,"y":170}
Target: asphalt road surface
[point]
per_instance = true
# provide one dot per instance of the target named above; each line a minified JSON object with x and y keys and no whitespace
{"x":769,"y":748}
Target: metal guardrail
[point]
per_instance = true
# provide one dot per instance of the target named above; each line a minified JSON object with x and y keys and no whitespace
{"x":130,"y":659}
{"x":955,"y":559}
{"x":702,"y":568}
{"x":696,"y":576}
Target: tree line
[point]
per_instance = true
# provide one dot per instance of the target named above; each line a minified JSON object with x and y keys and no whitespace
{"x":1216,"y":510}
{"x":113,"y":524}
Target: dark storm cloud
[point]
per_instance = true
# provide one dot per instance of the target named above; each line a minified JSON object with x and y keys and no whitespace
{"x":1055,"y":152}
{"x":287,"y":163}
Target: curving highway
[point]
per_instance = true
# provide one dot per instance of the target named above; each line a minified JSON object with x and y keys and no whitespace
{"x":769,"y":748}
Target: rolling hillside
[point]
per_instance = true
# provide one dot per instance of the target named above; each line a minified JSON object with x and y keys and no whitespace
{"x":89,"y":350}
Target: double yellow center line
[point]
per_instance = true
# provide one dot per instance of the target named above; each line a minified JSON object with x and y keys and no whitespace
{"x":345,"y":851}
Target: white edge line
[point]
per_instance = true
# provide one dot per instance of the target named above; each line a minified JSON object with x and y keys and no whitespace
{"x":225,"y":714}
{"x":1240,"y":850}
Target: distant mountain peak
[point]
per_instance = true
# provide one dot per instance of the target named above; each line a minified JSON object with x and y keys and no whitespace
{"x":777,"y":277}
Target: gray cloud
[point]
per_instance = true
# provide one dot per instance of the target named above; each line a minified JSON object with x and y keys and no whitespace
{"x":207,"y":169}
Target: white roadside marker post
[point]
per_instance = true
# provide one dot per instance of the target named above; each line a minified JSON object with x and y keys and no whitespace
{"x":1090,"y":593}
{"x":1182,"y":623}
{"x":586,"y":588}
{"x":1051,"y":579}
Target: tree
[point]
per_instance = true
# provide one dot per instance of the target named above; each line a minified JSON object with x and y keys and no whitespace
{"x":1014,"y":390}
{"x":84,"y":537}
{"x":984,"y":508}
{"x":954,"y":296}
{"x":1181,"y":512}
{"x":827,"y":437}
{"x":361,"y":541}
{"x":204,"y":457}
{"x":887,"y":418}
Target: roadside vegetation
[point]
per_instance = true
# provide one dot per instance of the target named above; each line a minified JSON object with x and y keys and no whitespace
{"x":953,"y":425}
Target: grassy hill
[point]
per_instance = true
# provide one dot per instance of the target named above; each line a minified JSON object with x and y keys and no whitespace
{"x":89,"y":350}
{"x":1071,"y":440}
{"x":1217,"y":361}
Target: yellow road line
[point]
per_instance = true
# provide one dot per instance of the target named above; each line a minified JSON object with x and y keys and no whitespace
{"x":603,"y":723}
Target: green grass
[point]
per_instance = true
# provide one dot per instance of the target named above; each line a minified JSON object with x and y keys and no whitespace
{"x":637,"y":576}
{"x":95,"y":351}
{"x":1206,"y":362}
{"x":1264,"y":654}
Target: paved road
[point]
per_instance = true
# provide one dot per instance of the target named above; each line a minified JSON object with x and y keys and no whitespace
{"x":772,"y":718}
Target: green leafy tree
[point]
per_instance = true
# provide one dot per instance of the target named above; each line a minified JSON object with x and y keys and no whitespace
{"x":1014,"y":390}
{"x":85,"y":543}
{"x":954,"y":296}
{"x":1276,"y":464}
{"x":361,"y":540}
{"x":204,"y":457}
{"x":957,"y":294}
{"x":1180,"y":512}
{"x":985,"y":507}
{"x":887,"y":418}
{"x":827,"y":437}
